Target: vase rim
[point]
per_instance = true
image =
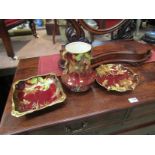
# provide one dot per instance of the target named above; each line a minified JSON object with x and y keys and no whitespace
{"x":78,"y":47}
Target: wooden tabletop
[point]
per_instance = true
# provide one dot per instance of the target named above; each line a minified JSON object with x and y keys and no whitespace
{"x":78,"y":105}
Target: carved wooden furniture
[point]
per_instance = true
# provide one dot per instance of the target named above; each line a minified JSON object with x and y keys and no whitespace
{"x":5,"y":25}
{"x":94,"y":112}
{"x":124,"y":53}
{"x":122,"y":29}
{"x":54,"y":30}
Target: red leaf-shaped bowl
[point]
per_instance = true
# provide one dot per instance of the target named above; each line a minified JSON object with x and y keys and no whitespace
{"x":116,"y":77}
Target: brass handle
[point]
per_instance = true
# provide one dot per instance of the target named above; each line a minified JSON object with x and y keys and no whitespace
{"x":71,"y":130}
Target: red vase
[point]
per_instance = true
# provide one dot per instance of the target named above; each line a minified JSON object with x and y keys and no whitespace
{"x":78,"y":82}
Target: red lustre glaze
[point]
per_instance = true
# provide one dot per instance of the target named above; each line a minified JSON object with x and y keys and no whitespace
{"x":41,"y":98}
{"x":69,"y":56}
{"x":113,"y":79}
{"x":78,"y":80}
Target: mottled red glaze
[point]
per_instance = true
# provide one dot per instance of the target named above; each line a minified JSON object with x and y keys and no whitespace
{"x":112,"y":79}
{"x":79,"y":80}
{"x":42,"y":98}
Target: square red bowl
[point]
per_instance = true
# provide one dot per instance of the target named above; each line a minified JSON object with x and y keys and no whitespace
{"x":36,"y":93}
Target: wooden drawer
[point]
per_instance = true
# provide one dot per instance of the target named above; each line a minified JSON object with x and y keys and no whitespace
{"x":138,"y":118}
{"x":135,"y":124}
{"x":88,"y":125}
{"x":147,"y":130}
{"x":141,"y":111}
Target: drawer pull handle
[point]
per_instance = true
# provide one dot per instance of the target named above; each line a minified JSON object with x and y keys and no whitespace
{"x":71,"y":130}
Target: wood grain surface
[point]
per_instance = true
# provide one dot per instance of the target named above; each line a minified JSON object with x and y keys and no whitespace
{"x":82,"y":106}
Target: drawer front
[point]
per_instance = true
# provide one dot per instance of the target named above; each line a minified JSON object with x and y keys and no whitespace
{"x":141,"y":111}
{"x":147,"y":130}
{"x":93,"y":125}
{"x":100,"y":123}
{"x":137,"y":118}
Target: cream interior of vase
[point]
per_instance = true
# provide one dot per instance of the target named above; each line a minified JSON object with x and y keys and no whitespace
{"x":78,"y":47}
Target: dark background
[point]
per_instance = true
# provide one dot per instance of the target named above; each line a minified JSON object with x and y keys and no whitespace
{"x":6,"y":78}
